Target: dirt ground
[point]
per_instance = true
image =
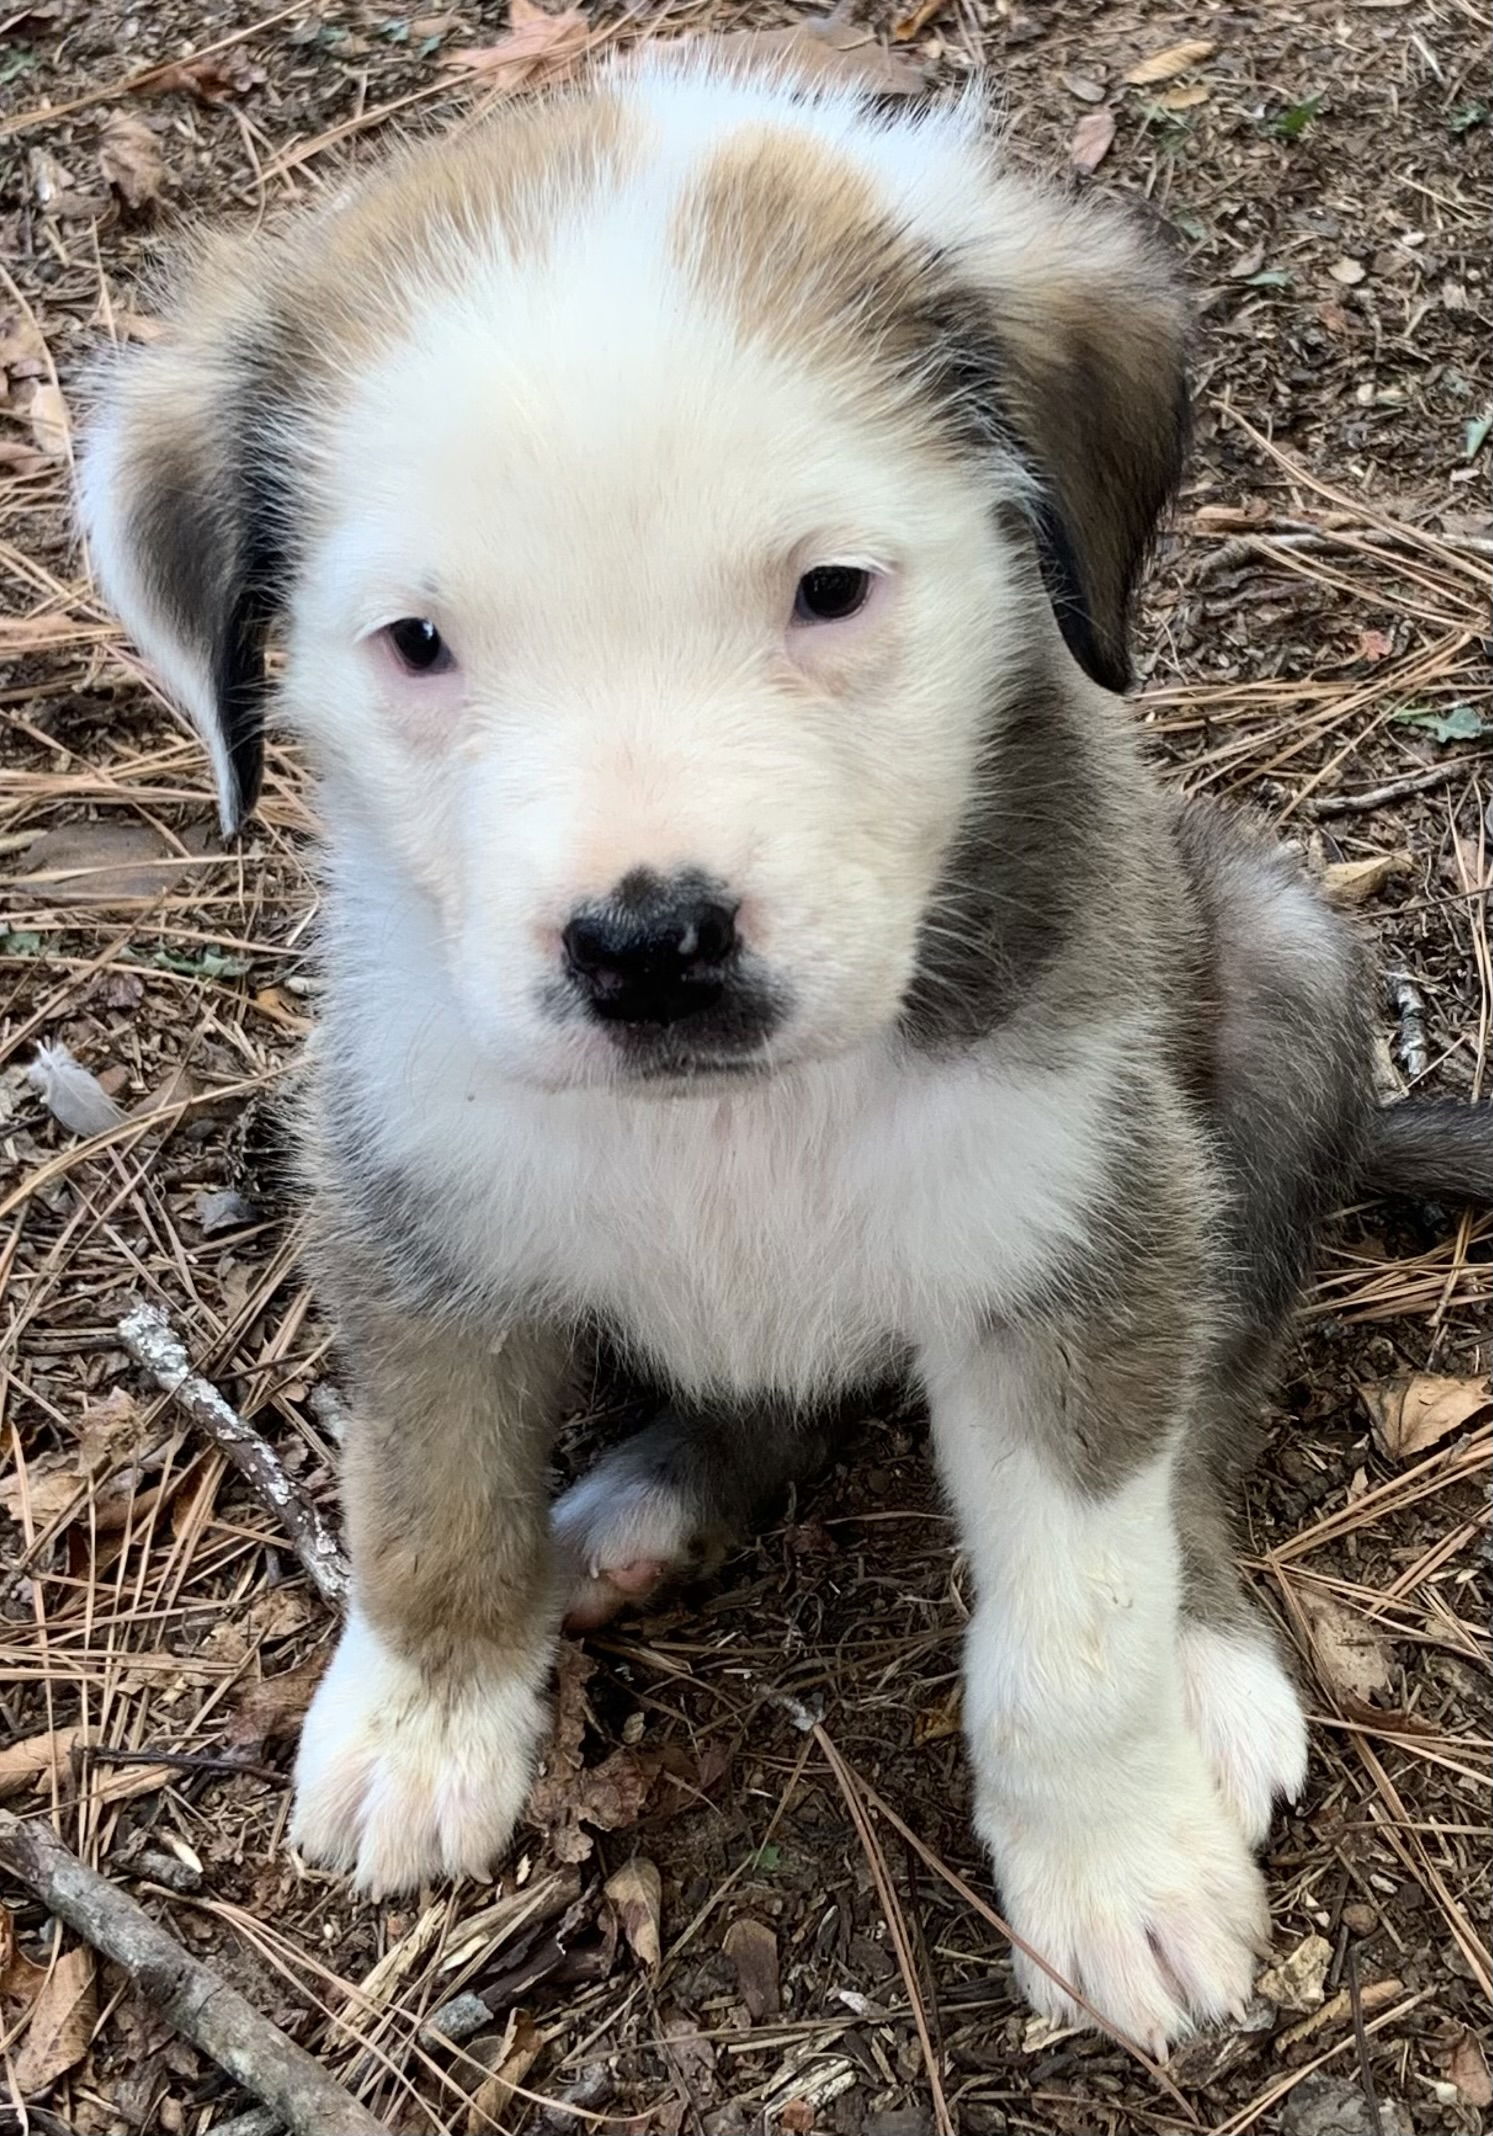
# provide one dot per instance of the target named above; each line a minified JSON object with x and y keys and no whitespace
{"x":750,"y":1899}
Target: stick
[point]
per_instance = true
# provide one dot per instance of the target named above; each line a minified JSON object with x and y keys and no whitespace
{"x":1413,"y":782}
{"x":203,"y":2008}
{"x":152,"y":1341}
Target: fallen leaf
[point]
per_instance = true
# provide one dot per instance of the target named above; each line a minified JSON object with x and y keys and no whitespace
{"x":797,"y":2118}
{"x":21,"y":1978}
{"x":1165,"y":66}
{"x":1353,"y":1656}
{"x":110,"y":1431}
{"x":1248,"y":263}
{"x":1348,"y":272}
{"x":36,"y":1758}
{"x":1354,"y":882}
{"x":568,"y":1793}
{"x":1464,"y":723}
{"x":537,"y":46}
{"x":688,"y":2052}
{"x":99,"y":862}
{"x":934,"y":1723}
{"x":913,"y":24}
{"x":274,"y":1708}
{"x":1421,"y":1409}
{"x":50,"y":182}
{"x":130,"y":158}
{"x":752,"y":1949}
{"x":1084,"y":87}
{"x":1374,"y":645}
{"x":826,"y":49}
{"x":1299,"y":1980}
{"x":1467,"y":2067}
{"x":62,"y":2021}
{"x":213,"y":79}
{"x":1092,"y":139}
{"x":494,"y":2094}
{"x":1186,"y":97}
{"x":51,"y":426}
{"x":637,"y":1893}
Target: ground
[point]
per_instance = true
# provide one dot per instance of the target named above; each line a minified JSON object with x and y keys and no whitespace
{"x":779,"y":1746}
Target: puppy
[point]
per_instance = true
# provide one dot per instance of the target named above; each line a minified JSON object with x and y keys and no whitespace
{"x":701,"y":512}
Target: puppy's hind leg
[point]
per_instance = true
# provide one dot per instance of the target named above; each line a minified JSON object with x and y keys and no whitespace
{"x":672,"y":1501}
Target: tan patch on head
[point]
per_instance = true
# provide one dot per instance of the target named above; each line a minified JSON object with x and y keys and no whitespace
{"x":794,"y":240}
{"x":502,"y":189}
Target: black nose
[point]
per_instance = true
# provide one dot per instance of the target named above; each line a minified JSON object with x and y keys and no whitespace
{"x":654,"y":954}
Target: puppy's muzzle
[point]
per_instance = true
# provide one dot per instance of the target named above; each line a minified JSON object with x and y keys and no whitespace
{"x":654,"y":953}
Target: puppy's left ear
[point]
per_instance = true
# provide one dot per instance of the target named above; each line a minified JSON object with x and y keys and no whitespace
{"x":184,"y":523}
{"x":1091,"y":330}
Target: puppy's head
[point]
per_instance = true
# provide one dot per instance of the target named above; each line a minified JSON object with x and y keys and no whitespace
{"x":668,"y":500}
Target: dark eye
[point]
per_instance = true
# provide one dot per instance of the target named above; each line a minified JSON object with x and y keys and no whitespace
{"x":421,"y":648}
{"x":830,"y":593}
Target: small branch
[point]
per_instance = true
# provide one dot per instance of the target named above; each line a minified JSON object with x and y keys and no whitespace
{"x":213,"y":2016}
{"x":1412,"y":1044}
{"x":152,"y":1341}
{"x":1413,"y":782}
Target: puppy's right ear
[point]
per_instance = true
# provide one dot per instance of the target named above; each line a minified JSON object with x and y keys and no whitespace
{"x":184,"y":517}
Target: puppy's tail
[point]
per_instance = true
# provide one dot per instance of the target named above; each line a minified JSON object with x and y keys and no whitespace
{"x":1437,"y":1147}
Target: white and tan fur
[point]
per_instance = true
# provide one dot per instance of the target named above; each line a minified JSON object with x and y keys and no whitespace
{"x":592,"y":391}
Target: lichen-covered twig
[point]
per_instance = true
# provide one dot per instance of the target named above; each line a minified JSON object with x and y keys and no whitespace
{"x":213,"y":2016}
{"x":152,"y":1341}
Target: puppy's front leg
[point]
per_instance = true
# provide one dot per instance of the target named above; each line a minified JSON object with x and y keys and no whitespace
{"x":1113,"y":1848}
{"x":419,"y":1748}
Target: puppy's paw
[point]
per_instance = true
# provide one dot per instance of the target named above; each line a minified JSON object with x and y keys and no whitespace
{"x":631,"y":1524}
{"x":1243,"y":1708}
{"x":402,"y":1777}
{"x":1144,"y":1897}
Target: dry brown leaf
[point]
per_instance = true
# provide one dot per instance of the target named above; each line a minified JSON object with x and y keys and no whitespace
{"x":1299,"y":1980}
{"x":1421,"y":1410}
{"x":494,"y":2094}
{"x":1092,"y":139}
{"x":752,"y":1949}
{"x":914,"y":23}
{"x":1467,"y":2066}
{"x":826,"y":49}
{"x":130,"y":158}
{"x":110,"y":1432}
{"x":62,"y":2021}
{"x":1167,"y":65}
{"x":568,"y":1793}
{"x":213,"y":79}
{"x":36,"y":1758}
{"x":51,"y":426}
{"x":1353,"y":1656}
{"x":21,"y":1978}
{"x":98,"y":862}
{"x":538,"y":46}
{"x":1084,"y":87}
{"x":637,"y":1893}
{"x":20,"y":341}
{"x":1348,"y":272}
{"x":1185,"y":97}
{"x":1354,"y":882}
{"x":48,"y":1489}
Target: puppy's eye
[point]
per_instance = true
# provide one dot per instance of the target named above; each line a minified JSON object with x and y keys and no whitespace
{"x":830,"y":593}
{"x":419,"y":646}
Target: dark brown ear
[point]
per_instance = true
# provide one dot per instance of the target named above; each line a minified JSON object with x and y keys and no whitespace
{"x":1091,"y":329}
{"x":184,"y":524}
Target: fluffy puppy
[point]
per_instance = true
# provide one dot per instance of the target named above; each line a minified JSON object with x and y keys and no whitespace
{"x":701,"y":512}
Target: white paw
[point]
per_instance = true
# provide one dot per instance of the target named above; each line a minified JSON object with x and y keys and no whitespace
{"x":1244,"y":1711}
{"x":1139,"y":1891}
{"x":401,"y":1777}
{"x":618,"y":1536}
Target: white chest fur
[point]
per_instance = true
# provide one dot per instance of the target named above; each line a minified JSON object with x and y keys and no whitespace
{"x":788,"y":1235}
